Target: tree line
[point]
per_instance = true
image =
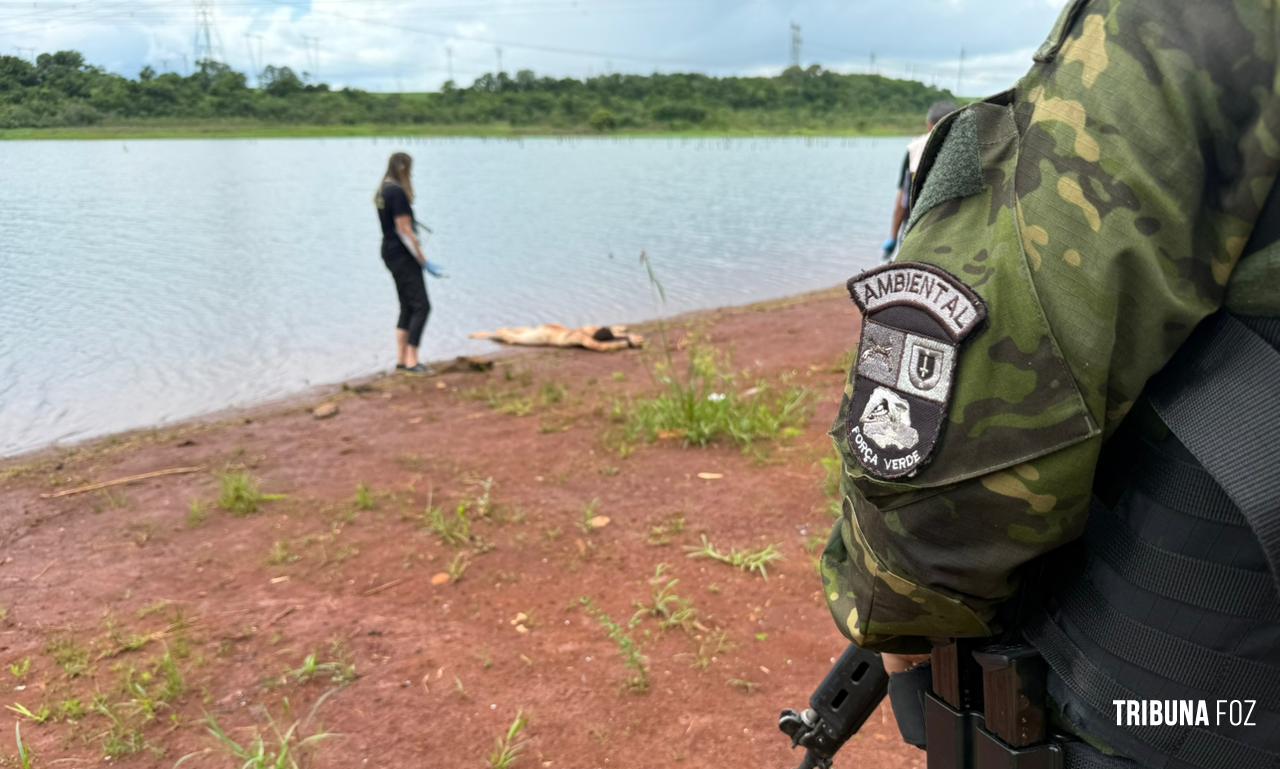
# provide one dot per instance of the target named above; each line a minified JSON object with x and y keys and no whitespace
{"x":61,"y":89}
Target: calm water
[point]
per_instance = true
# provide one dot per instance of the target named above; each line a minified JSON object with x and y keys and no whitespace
{"x":145,"y":282}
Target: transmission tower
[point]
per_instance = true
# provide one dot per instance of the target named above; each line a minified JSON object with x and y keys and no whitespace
{"x":312,"y":44}
{"x":27,"y":53}
{"x":207,"y":43}
{"x":795,"y":44}
{"x":255,"y":55}
{"x":498,"y":49}
{"x":960,"y":72}
{"x":448,"y":55}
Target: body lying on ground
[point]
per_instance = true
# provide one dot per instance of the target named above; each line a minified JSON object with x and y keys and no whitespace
{"x":598,"y":338}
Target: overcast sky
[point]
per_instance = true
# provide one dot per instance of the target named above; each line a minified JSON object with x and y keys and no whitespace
{"x":405,"y":45}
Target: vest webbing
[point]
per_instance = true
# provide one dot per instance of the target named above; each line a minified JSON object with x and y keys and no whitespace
{"x":1224,"y":390}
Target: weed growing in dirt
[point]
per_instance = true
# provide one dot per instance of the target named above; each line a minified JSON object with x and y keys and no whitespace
{"x":280,"y":554}
{"x":20,"y":668}
{"x":71,"y":710}
{"x":710,"y":647}
{"x":26,"y":759}
{"x":746,"y":686}
{"x":4,"y":613}
{"x":458,"y":566}
{"x":669,"y":609}
{"x":281,"y":750}
{"x":238,"y":494}
{"x":340,"y":673}
{"x":121,"y":738}
{"x":453,"y":530}
{"x":508,"y":747}
{"x":364,"y":498}
{"x":627,"y":647}
{"x":706,"y":405}
{"x":70,"y":656}
{"x":662,"y":532}
{"x":748,"y":560}
{"x":38,"y":716}
{"x":197,"y":514}
{"x":482,"y":502}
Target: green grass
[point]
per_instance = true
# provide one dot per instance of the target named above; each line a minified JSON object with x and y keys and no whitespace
{"x":756,"y":561}
{"x":365,"y":499}
{"x":666,"y":529}
{"x":706,"y":402}
{"x":338,"y":672}
{"x":37,"y":716}
{"x":197,"y":514}
{"x":452,"y":529}
{"x":508,"y":747}
{"x":70,"y":656}
{"x":671,"y":610}
{"x":636,"y":662}
{"x":26,"y":759}
{"x":239,"y":494}
{"x":20,"y":668}
{"x":277,"y":750}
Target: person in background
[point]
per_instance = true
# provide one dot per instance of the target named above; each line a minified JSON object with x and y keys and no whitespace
{"x":403,"y":255}
{"x":910,"y":164}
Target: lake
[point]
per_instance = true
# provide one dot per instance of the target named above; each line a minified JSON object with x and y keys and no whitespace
{"x":143,"y":282}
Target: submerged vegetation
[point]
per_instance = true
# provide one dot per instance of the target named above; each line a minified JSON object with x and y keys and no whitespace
{"x":63,"y":91}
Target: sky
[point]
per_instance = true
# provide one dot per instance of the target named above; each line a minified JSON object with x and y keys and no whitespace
{"x":414,"y":45}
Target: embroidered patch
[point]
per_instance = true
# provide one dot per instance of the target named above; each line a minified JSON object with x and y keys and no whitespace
{"x":915,"y":317}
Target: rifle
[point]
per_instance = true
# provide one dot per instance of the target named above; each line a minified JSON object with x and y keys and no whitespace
{"x":849,"y":694}
{"x":985,"y":708}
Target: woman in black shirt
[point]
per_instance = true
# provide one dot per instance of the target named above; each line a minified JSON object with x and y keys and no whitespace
{"x":404,"y":257}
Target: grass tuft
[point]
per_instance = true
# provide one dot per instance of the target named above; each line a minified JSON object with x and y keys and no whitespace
{"x":453,"y":530}
{"x":636,"y":662}
{"x":239,"y":494}
{"x":508,"y":747}
{"x":748,"y":560}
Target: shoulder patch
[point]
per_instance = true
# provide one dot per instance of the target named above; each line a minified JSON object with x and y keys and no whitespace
{"x":915,"y":317}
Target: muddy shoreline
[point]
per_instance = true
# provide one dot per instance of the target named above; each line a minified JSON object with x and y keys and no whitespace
{"x":131,"y":615}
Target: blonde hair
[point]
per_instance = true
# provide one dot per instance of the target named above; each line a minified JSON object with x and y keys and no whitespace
{"x":398,"y":168}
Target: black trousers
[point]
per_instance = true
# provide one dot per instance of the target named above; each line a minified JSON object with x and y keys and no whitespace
{"x":411,"y":288}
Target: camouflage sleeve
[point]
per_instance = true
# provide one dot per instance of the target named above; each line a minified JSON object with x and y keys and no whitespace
{"x":1097,"y":210}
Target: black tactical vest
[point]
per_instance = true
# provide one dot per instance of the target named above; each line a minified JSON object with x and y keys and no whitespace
{"x":1171,"y":600}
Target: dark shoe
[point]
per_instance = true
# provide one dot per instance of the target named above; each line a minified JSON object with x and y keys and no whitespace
{"x":416,"y":370}
{"x":400,"y":367}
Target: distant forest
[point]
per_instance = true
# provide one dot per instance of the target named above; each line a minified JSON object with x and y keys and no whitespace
{"x":62,"y":90}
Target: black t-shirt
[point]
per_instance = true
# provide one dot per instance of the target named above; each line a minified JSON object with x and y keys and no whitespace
{"x":394,"y":202}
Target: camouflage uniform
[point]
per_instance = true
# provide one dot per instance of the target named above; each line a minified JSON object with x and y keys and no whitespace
{"x":1099,"y":210}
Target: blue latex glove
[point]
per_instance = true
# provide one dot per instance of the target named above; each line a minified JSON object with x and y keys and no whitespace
{"x":433,"y":269}
{"x":889,"y":245}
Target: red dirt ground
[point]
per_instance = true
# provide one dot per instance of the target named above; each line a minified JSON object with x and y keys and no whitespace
{"x":442,"y":668}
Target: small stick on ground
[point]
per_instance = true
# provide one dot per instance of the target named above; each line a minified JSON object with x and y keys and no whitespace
{"x":123,"y":481}
{"x":281,"y":615}
{"x":384,"y":586}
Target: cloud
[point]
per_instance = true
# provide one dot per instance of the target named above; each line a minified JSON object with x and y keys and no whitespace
{"x":410,"y":44}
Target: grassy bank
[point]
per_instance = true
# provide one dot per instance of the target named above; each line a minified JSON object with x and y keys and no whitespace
{"x":229,"y":129}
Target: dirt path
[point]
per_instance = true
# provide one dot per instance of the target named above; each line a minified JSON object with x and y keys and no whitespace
{"x":132,"y":612}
